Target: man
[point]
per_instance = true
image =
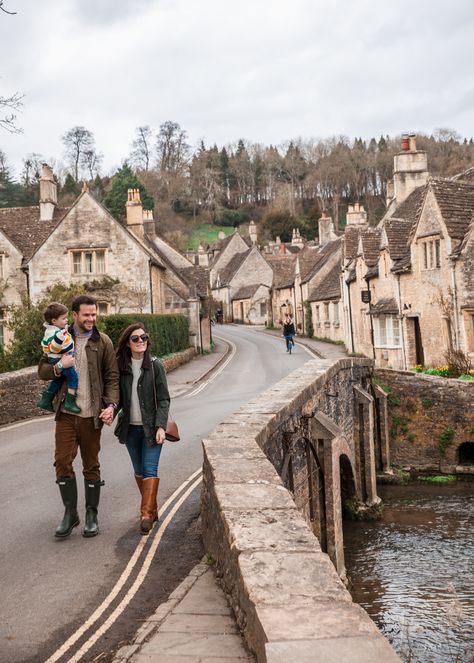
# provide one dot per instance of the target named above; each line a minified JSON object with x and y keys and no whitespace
{"x":97,"y":396}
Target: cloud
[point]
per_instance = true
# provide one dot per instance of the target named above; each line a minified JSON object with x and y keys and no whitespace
{"x":262,"y":70}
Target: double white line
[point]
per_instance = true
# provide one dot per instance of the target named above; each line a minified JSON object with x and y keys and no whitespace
{"x":187,"y":486}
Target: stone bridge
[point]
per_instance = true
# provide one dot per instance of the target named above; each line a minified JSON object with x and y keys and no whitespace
{"x":277,"y":476}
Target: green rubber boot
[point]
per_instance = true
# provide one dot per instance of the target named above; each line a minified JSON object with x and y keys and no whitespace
{"x":68,"y":490}
{"x":92,"y":491}
{"x":70,"y":404}
{"x":46,"y":402}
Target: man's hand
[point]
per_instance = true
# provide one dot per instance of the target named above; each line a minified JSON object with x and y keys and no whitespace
{"x":107,"y":415}
{"x":160,"y":435}
{"x":67,"y":361}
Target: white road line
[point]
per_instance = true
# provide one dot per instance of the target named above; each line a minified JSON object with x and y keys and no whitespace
{"x":18,"y":424}
{"x":138,"y":581}
{"x":125,"y":575}
{"x":217,"y":372}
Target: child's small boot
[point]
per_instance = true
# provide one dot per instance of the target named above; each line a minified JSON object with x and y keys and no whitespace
{"x":46,"y":402}
{"x":70,"y":404}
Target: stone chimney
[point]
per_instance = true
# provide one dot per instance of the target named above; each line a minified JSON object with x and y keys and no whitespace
{"x":253,"y":232}
{"x":325,"y":229}
{"x":410,"y":169}
{"x":221,"y":234}
{"x":48,"y":193}
{"x":296,"y":239}
{"x":282,"y":249}
{"x":134,"y":211}
{"x":356,"y":215}
{"x":149,"y":224}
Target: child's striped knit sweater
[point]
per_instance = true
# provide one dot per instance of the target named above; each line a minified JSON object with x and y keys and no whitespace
{"x":56,"y":341}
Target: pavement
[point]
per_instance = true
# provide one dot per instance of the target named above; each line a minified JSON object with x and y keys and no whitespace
{"x":196,"y":624}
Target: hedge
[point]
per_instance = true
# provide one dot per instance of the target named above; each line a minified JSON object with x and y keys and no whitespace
{"x":168,"y":333}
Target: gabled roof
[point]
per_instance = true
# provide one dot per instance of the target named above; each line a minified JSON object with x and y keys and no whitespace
{"x":327,"y":286}
{"x":228,"y":271}
{"x":456,"y":202}
{"x":466,"y":175}
{"x":172,"y":256}
{"x":197,"y":277}
{"x":24,"y":229}
{"x":371,"y":245}
{"x":283,"y":267}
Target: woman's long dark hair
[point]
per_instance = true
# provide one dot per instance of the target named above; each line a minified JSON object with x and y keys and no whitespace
{"x":123,"y":352}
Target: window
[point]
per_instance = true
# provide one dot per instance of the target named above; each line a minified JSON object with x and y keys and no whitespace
{"x":88,"y":262}
{"x":387,"y":331}
{"x":431,"y":254}
{"x":2,"y":266}
{"x":326,"y":311}
{"x":263,"y":308}
{"x":318,"y":315}
{"x":336,"y":312}
{"x":103,"y":308}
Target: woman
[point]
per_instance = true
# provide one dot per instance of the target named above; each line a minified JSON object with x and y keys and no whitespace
{"x":141,"y":425}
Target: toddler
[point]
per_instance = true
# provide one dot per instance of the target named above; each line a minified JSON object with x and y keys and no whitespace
{"x":57,"y":341}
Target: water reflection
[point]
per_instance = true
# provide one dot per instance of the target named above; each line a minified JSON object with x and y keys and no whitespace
{"x":413,"y":570}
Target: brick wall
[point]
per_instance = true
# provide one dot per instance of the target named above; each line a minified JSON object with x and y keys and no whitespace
{"x":429,"y":418}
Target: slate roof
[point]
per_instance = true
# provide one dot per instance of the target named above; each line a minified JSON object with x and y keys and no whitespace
{"x":351,"y":242}
{"x":456,"y":202}
{"x":197,"y":277}
{"x":327,"y":287}
{"x":466,"y":175}
{"x":283,"y":270}
{"x":232,"y":266}
{"x":24,"y":229}
{"x":173,"y":257}
{"x":245,"y":292}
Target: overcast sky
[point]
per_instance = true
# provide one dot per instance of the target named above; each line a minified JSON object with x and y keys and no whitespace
{"x":263,"y":70}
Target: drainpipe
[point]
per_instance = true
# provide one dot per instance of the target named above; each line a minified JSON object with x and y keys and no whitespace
{"x":296,"y":311}
{"x":401,"y":324}
{"x":151,"y":286}
{"x":302,"y":310}
{"x":455,"y":304}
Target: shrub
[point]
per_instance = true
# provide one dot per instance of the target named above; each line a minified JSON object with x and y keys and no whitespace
{"x":169,"y":333}
{"x":445,"y":439}
{"x":458,"y":362}
{"x":309,"y":320}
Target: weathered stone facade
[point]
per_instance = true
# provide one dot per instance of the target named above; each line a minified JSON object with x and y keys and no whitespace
{"x":429,"y":419}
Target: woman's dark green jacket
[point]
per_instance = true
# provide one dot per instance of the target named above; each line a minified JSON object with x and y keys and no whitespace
{"x":154,"y":415}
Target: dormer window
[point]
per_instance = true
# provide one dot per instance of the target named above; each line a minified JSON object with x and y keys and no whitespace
{"x":431,"y":254}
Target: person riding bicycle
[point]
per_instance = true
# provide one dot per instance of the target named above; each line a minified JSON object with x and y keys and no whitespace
{"x":288,"y":332}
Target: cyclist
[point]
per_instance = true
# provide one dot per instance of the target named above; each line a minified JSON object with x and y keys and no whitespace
{"x":288,"y":332}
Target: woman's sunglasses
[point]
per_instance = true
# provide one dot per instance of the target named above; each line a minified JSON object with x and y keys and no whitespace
{"x":142,"y":337}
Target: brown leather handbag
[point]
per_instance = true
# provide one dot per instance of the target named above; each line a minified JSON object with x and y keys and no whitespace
{"x":171,"y":432}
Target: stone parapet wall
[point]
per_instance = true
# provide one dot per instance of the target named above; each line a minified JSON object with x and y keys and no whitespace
{"x":21,"y":390}
{"x":429,"y":418}
{"x":287,"y":597}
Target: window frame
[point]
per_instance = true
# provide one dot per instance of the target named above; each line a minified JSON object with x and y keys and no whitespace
{"x":430,"y":254}
{"x":97,"y":256}
{"x":388,"y":334}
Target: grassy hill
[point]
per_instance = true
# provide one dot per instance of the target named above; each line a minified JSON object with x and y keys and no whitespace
{"x":207,"y":234}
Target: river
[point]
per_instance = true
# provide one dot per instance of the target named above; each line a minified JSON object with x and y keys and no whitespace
{"x":413,"y":570}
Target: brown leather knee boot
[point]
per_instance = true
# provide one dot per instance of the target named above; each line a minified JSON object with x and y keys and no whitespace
{"x":139,"y":480}
{"x":149,"y":509}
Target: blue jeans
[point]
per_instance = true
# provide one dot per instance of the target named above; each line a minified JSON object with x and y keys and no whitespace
{"x":144,"y":459}
{"x":289,"y":342}
{"x":69,"y":374}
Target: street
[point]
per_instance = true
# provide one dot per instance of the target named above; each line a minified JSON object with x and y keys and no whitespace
{"x":78,"y":598}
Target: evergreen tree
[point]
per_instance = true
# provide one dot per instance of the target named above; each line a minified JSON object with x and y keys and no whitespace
{"x":116,"y":198}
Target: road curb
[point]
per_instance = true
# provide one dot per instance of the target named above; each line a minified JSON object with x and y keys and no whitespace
{"x":216,"y":364}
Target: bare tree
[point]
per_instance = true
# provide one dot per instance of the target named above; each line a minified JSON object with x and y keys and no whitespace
{"x":92,"y":161}
{"x":140,"y":156}
{"x":78,"y":141}
{"x":5,"y":10}
{"x":9,"y":107}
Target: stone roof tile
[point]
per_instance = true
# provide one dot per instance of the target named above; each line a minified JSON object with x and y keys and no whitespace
{"x":24,"y":229}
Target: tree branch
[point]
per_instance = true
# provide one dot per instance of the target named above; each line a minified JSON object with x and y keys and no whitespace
{"x":4,"y":10}
{"x":13,"y":103}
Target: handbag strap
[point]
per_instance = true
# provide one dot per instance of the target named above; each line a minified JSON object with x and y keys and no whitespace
{"x":154,"y":385}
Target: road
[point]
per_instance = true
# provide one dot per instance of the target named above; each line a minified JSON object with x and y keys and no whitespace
{"x":78,"y":599}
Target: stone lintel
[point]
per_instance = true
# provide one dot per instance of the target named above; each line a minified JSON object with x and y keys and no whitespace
{"x":323,"y":427}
